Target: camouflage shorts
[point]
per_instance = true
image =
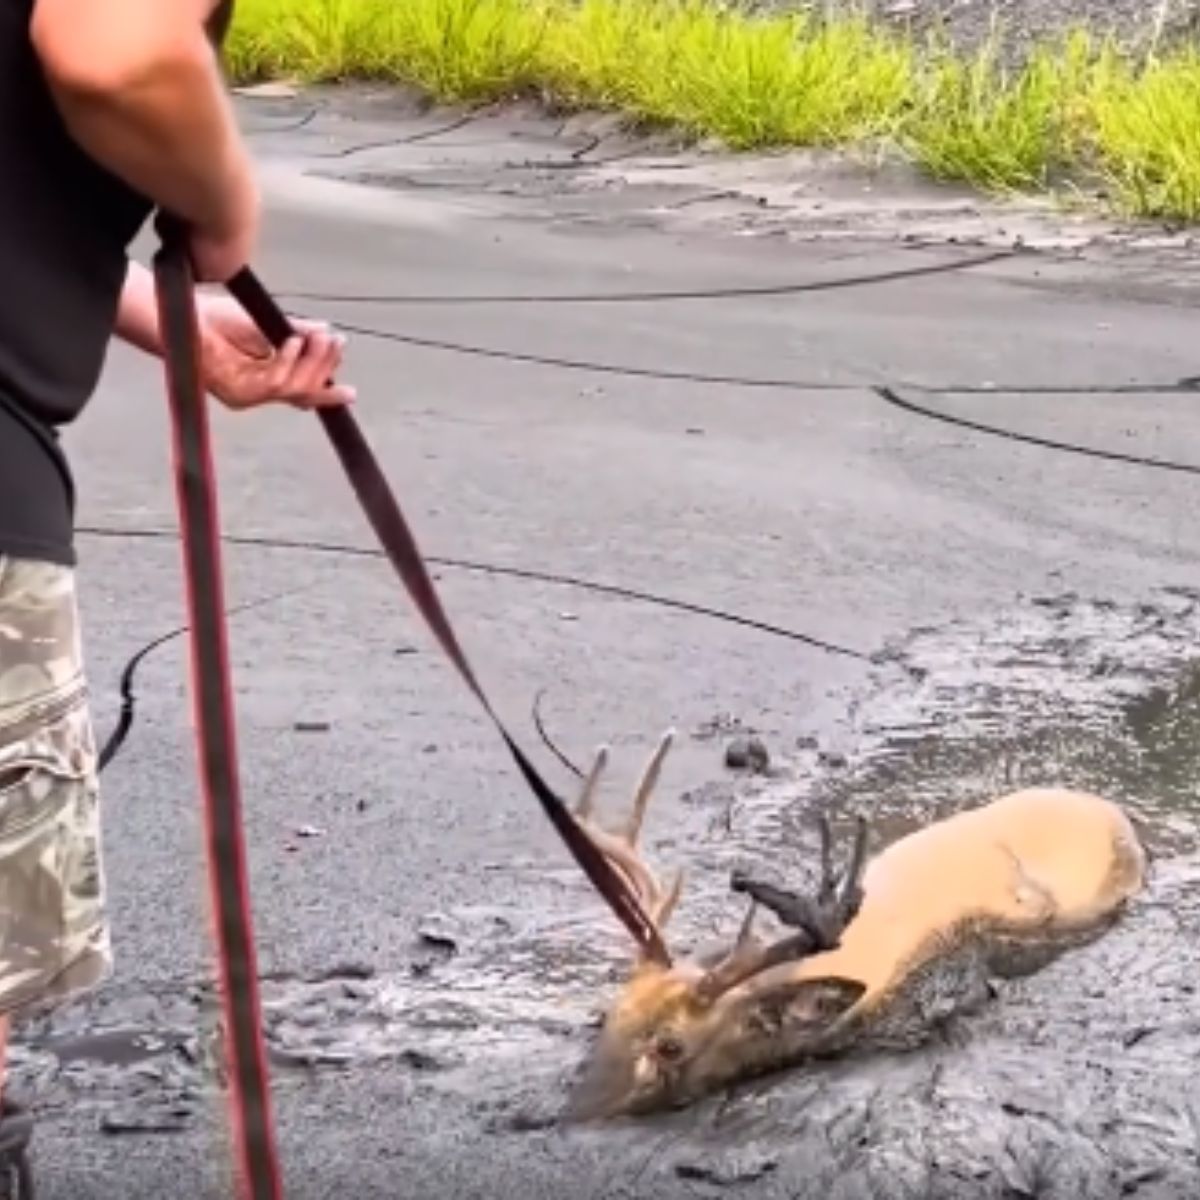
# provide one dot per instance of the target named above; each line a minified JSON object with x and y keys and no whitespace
{"x":54,"y":937}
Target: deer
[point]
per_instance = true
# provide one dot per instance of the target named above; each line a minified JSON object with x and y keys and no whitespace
{"x":870,"y":958}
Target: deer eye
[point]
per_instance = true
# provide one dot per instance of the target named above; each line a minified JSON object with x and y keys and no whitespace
{"x":668,"y":1048}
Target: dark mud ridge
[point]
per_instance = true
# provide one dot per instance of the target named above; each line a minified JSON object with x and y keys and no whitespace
{"x":1077,"y":1082}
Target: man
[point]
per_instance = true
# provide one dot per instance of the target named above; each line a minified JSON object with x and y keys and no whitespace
{"x":106,"y":111}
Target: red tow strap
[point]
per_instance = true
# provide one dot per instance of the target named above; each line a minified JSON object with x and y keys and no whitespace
{"x":212,"y":691}
{"x":212,"y":700}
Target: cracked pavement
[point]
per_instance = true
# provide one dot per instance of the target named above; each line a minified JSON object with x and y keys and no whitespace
{"x":1016,"y":611}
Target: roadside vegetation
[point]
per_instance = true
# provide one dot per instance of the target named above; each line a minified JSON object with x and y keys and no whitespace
{"x":1079,"y":113}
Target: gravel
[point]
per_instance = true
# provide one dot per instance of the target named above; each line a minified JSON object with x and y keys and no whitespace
{"x":967,"y":23}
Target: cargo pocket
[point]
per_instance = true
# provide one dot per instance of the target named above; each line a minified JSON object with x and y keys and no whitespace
{"x":35,"y":787}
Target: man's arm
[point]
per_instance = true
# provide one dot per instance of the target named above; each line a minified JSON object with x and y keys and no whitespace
{"x":137,"y":314}
{"x":139,"y":87}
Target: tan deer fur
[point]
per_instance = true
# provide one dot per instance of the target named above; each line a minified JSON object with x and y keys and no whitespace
{"x":1035,"y":869}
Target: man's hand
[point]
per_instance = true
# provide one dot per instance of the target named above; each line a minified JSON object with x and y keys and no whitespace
{"x":242,"y":370}
{"x":239,"y":365}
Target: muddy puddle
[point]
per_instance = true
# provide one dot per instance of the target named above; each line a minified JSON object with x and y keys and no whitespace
{"x":1060,"y":691}
{"x":1075,"y":1081}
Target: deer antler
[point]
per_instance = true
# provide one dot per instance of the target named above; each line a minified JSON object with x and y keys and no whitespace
{"x":621,"y":849}
{"x":819,"y":923}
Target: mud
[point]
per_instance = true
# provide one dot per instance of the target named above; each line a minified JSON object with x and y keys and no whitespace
{"x":593,"y":172}
{"x":1075,"y":1081}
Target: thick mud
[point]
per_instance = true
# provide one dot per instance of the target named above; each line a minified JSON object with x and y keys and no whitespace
{"x":1076,"y":1081}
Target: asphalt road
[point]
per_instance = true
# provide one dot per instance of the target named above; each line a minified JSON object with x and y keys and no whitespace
{"x":735,"y":448}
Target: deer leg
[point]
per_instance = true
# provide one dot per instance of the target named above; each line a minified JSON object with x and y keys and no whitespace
{"x":810,"y":917}
{"x":850,"y":898}
{"x":829,"y":877}
{"x":822,"y":919}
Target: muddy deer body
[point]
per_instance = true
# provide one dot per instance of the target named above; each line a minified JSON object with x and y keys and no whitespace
{"x":997,"y":890}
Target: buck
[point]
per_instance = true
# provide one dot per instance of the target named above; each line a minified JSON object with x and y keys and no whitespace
{"x":878,"y":955}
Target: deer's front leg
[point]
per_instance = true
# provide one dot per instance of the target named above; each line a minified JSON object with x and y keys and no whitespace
{"x":820,"y":920}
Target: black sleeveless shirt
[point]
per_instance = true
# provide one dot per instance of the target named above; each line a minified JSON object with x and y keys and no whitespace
{"x":65,"y":228}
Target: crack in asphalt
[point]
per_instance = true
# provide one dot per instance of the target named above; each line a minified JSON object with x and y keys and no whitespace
{"x":659,"y":297}
{"x":128,"y":697}
{"x":290,"y":127}
{"x":888,"y":392}
{"x":410,"y":139}
{"x":463,"y":564}
{"x":892,"y":397}
{"x":1189,"y":385}
{"x":128,"y":711}
{"x":576,"y":158}
{"x":575,"y":162}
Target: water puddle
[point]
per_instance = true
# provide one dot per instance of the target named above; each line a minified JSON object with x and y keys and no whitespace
{"x":1059,"y":692}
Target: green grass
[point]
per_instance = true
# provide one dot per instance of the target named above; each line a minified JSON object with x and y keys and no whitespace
{"x":1146,"y":127}
{"x":1002,"y":132}
{"x":1074,"y":110}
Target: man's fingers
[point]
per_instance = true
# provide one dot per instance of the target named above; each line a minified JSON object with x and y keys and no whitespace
{"x":300,"y":373}
{"x":310,"y":383}
{"x":333,"y":396}
{"x":314,"y":370}
{"x":284,"y":365}
{"x":308,"y":328}
{"x":320,"y":364}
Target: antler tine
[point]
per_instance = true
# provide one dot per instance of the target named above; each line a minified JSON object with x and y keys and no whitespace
{"x":746,"y":932}
{"x":587,"y":793}
{"x":645,"y":788}
{"x":743,"y":959}
{"x":666,"y":906}
{"x":620,"y":849}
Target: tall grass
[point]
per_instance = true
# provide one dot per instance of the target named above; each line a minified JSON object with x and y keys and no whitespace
{"x":1003,"y":131}
{"x":456,"y":50}
{"x":770,"y":80}
{"x":1147,"y":135}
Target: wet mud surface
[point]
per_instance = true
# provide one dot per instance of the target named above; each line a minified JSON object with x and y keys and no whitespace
{"x":594,"y":172}
{"x":1075,"y":1081}
{"x":421,"y":1043}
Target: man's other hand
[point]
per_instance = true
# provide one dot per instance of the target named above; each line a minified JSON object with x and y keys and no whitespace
{"x":242,"y":370}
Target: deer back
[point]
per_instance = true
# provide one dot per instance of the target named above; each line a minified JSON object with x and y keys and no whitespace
{"x":1032,"y":864}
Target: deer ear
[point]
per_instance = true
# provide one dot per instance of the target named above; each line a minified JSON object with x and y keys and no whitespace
{"x":808,"y":1005}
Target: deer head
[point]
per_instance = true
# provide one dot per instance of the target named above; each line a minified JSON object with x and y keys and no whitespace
{"x":677,"y":1030}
